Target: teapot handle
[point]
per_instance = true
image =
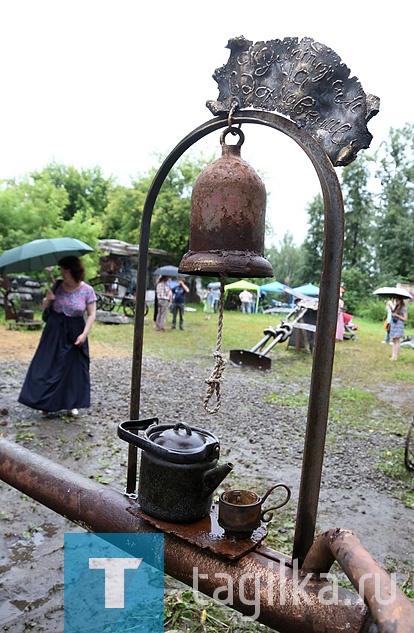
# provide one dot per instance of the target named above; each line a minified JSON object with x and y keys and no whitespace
{"x":284,"y":501}
{"x":125,"y":431}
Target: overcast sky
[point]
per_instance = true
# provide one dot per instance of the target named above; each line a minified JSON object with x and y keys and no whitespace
{"x":106,"y":83}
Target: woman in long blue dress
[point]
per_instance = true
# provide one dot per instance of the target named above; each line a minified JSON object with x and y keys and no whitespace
{"x":58,"y":377}
{"x":398,"y":318}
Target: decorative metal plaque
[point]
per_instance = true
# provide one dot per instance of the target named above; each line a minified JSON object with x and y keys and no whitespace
{"x":305,"y":81}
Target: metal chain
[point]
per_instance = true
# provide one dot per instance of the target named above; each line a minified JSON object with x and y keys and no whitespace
{"x":216,"y":376}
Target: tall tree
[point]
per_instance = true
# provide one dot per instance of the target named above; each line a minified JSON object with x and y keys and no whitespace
{"x":287,"y":261}
{"x":122,"y":219}
{"x":313,"y":244}
{"x":87,"y":189}
{"x":29,"y":209}
{"x":395,"y":235}
{"x":359,"y":215}
{"x":359,"y":226}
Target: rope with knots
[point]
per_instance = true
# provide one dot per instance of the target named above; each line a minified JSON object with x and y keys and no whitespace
{"x":216,"y":376}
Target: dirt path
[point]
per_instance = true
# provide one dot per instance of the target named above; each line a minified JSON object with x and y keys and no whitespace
{"x":21,"y":345}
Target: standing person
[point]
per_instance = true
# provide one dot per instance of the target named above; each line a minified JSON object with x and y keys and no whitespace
{"x":58,"y":377}
{"x":253,"y":303}
{"x":340,"y":323}
{"x":163,"y":295}
{"x":398,"y":318}
{"x":216,"y":295}
{"x":208,"y":304}
{"x":389,"y":307}
{"x":178,"y":302}
{"x":245,"y":297}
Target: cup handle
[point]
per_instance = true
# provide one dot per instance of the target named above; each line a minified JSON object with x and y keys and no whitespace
{"x":284,"y":502}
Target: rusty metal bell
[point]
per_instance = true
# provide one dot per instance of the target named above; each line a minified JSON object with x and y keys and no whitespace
{"x":228,"y":212}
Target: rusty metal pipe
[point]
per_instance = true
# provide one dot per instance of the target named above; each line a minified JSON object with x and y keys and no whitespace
{"x":257,"y":582}
{"x":392,"y":611}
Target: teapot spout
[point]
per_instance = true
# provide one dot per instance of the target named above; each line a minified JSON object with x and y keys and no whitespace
{"x":213,"y":478}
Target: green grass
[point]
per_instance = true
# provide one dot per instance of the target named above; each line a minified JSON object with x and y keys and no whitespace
{"x":363,"y":376}
{"x":184,"y":614}
{"x":362,"y":365}
{"x":291,"y":401}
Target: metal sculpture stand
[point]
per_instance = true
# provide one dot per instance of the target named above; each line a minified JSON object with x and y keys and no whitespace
{"x":257,"y":356}
{"x":327,"y":313}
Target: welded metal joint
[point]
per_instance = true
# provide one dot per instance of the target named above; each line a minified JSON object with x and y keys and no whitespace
{"x":390,"y":608}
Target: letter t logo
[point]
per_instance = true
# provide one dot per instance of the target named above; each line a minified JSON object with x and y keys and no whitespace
{"x":114,"y":578}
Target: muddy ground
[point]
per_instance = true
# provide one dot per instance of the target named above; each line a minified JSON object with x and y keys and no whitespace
{"x":263,"y":440}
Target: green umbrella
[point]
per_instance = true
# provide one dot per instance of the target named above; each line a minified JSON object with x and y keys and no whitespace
{"x":40,"y":254}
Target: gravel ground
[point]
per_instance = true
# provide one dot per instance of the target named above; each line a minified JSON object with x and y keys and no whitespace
{"x":263,"y":440}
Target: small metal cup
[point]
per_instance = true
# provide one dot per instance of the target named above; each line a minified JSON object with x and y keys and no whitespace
{"x":240,"y":512}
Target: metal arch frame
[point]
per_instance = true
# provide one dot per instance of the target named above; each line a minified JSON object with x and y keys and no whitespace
{"x":323,"y":355}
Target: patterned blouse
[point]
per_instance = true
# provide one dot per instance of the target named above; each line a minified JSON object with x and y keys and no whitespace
{"x":74,"y":303}
{"x":163,"y":291}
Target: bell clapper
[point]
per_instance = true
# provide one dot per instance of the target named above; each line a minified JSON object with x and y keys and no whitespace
{"x":216,"y":376}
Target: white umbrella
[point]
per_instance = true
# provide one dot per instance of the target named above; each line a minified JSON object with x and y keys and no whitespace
{"x":389,"y":291}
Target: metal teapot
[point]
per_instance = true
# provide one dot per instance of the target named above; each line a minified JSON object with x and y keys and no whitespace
{"x":178,"y":471}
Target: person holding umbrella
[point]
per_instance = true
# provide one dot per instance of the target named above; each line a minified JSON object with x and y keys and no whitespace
{"x":58,"y":376}
{"x":163,"y":297}
{"x":178,"y":302}
{"x":398,"y":318}
{"x":399,"y":314}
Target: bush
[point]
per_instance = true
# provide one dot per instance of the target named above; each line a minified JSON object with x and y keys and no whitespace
{"x":373,"y":309}
{"x":357,"y":286}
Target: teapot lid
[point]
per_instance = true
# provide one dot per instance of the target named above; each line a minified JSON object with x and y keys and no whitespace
{"x":183,"y":439}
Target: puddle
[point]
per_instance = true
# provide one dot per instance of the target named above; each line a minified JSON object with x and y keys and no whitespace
{"x":23,"y":550}
{"x":11,"y":609}
{"x":49,"y":529}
